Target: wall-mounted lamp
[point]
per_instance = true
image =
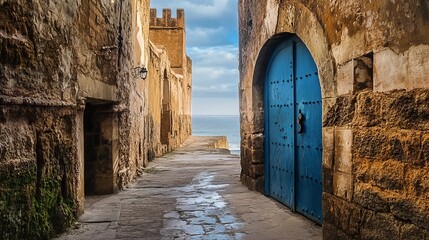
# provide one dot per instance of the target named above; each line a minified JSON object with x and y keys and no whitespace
{"x":141,"y":72}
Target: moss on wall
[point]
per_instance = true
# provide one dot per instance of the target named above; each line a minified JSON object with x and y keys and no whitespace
{"x":32,"y":208}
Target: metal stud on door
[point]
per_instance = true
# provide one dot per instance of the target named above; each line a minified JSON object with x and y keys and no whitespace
{"x":293,"y":125}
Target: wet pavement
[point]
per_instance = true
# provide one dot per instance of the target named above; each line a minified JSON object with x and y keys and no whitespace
{"x":191,"y":193}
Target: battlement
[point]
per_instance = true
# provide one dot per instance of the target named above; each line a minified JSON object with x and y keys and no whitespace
{"x":167,"y":21}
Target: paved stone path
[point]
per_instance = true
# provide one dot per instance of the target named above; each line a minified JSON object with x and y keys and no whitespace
{"x":192,"y":193}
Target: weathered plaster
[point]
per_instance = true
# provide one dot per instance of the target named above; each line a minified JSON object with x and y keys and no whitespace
{"x":407,"y":70}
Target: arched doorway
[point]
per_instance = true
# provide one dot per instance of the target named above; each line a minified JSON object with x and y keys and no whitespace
{"x":293,"y":129}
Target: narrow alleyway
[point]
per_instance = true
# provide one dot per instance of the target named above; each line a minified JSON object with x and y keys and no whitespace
{"x":191,"y":193}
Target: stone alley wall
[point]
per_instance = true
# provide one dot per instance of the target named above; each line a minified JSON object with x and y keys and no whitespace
{"x":173,"y":112}
{"x":75,"y":117}
{"x":373,"y":66}
{"x":169,"y":113}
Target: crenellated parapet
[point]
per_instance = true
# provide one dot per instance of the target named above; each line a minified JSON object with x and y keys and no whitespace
{"x":170,"y":33}
{"x":166,"y":21}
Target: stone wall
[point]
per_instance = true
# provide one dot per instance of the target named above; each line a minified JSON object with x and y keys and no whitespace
{"x":75,"y":117}
{"x":38,"y":98}
{"x":38,"y":162}
{"x":373,"y":67}
{"x":175,"y":77}
{"x":169,"y":109}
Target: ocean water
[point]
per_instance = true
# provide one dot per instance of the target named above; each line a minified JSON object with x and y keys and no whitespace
{"x":228,"y":126}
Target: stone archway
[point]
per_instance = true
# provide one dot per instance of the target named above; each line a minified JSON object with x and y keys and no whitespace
{"x":291,"y":19}
{"x":301,"y":21}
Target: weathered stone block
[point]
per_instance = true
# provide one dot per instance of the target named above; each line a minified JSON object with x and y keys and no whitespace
{"x":328,"y":147}
{"x":253,"y":184}
{"x":370,"y":197}
{"x":404,"y":146}
{"x":412,"y":232}
{"x":343,"y":215}
{"x":257,"y":156}
{"x":381,"y":143}
{"x":242,"y":149}
{"x":345,"y":78}
{"x":417,"y":180}
{"x":256,"y":170}
{"x":343,"y":185}
{"x":388,"y":174}
{"x":258,"y":121}
{"x":379,"y":226}
{"x":407,"y":109}
{"x":418,"y":66}
{"x":96,"y":89}
{"x":244,"y":179}
{"x":390,"y":71}
{"x":258,"y":141}
{"x":361,"y":169}
{"x":329,"y":231}
{"x":332,"y":232}
{"x":402,"y":208}
{"x":328,"y":180}
{"x":17,"y":141}
{"x":368,"y":143}
{"x":327,"y":105}
{"x":406,"y":70}
{"x":3,"y":115}
{"x":341,"y":113}
{"x":246,"y":160}
{"x":248,"y":141}
{"x":260,"y":184}
{"x":368,"y":110}
{"x":413,"y":210}
{"x":424,"y":151}
{"x":343,"y":150}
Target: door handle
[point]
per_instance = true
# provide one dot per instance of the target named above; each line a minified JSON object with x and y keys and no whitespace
{"x":301,"y":119}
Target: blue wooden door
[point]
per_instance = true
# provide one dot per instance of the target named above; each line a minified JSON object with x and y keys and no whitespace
{"x":293,"y":130}
{"x":279,"y":87}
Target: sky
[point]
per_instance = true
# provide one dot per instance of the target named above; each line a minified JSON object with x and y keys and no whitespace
{"x":212,"y":43}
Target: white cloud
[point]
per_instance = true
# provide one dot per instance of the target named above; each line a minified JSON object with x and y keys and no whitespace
{"x":206,"y":36}
{"x":215,"y":72}
{"x":212,"y":39}
{"x":207,"y":9}
{"x":215,"y":56}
